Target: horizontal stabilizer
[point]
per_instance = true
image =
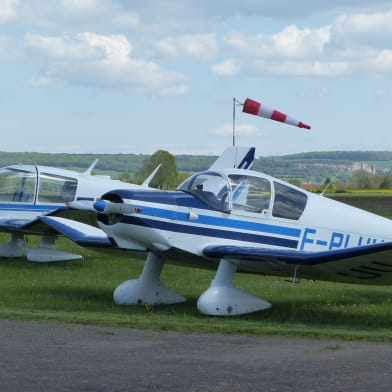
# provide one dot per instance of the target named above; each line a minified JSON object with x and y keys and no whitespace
{"x":81,"y":233}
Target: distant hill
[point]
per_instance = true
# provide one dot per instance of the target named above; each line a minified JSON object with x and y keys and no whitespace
{"x":317,"y":166}
{"x":311,"y":166}
{"x":121,"y":163}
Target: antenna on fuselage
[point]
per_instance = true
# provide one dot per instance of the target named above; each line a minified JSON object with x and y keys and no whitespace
{"x":330,"y":182}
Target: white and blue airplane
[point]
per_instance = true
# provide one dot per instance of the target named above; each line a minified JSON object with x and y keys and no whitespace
{"x":235,"y":220}
{"x":29,"y":191}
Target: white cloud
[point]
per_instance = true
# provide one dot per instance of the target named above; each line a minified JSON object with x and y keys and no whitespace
{"x":366,"y":23}
{"x":356,"y":44}
{"x":47,"y":82}
{"x":72,"y":15}
{"x":227,"y":68}
{"x":198,"y":46}
{"x":382,"y":63}
{"x":181,"y":89}
{"x":101,"y":61}
{"x":318,"y":93}
{"x":83,"y":5}
{"x":70,"y":47}
{"x":240,"y":130}
{"x":281,"y":68}
{"x":382,"y":94}
{"x":8,"y":10}
{"x":291,"y":42}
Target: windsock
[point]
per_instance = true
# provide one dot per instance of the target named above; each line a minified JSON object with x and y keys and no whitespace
{"x":256,"y":108}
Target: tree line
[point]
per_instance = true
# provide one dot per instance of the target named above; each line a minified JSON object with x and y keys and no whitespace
{"x":136,"y":167}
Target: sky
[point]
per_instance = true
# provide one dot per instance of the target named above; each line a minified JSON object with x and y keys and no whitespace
{"x":116,"y":76}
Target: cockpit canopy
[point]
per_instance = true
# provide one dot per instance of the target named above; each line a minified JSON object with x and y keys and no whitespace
{"x":236,"y":191}
{"x":27,"y":184}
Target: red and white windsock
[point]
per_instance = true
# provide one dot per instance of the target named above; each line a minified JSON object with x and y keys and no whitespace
{"x":256,"y":108}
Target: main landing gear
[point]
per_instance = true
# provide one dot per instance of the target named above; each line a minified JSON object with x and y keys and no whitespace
{"x":46,"y":251}
{"x":220,"y":299}
{"x":223,"y":299}
{"x":148,"y":289}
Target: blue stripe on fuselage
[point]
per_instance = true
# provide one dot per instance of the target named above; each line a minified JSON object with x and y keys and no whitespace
{"x":209,"y":232}
{"x":222,"y":222}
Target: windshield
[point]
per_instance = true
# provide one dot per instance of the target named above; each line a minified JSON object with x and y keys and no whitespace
{"x":17,"y":185}
{"x":211,"y":188}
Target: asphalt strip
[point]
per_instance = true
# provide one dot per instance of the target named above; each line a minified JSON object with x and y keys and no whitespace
{"x":42,"y":356}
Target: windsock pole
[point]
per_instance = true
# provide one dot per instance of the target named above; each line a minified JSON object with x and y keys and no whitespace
{"x":258,"y":109}
{"x":235,"y":103}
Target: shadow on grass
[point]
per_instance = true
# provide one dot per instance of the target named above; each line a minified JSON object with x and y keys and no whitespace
{"x":23,"y":263}
{"x":89,"y":296}
{"x":310,"y":313}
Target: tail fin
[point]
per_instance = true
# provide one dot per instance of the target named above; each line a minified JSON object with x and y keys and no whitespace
{"x":91,"y":168}
{"x":146,"y":182}
{"x":235,"y":157}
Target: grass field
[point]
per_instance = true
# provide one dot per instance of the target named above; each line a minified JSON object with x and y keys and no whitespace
{"x":81,"y":292}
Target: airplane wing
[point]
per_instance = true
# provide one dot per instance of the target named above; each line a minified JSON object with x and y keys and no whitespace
{"x":81,"y":233}
{"x":370,"y":264}
{"x":37,"y":226}
{"x":21,"y":218}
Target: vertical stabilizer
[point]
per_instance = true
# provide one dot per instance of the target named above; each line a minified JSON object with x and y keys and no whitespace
{"x":235,"y":157}
{"x":91,"y":168}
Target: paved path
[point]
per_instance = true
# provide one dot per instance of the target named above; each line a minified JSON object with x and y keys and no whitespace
{"x":37,"y":356}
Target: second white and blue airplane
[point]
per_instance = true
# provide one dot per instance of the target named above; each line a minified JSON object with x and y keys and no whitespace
{"x":30,"y":191}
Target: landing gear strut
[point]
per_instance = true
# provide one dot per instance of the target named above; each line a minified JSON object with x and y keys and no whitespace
{"x":46,"y":251}
{"x":148,"y":289}
{"x":223,"y":299}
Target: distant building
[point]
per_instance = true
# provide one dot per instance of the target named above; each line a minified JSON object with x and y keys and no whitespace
{"x":364,"y":166}
{"x":310,"y":185}
{"x":320,"y":164}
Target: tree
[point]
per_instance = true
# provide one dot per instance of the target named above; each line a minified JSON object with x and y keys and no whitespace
{"x":361,"y":179}
{"x":384,"y":181}
{"x":125,"y":177}
{"x":167,"y":175}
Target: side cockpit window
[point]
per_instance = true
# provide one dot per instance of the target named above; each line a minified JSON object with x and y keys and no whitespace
{"x":250,"y":194}
{"x":289,"y":203}
{"x":56,"y":189}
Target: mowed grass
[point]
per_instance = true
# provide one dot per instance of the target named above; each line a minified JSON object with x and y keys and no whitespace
{"x":81,"y":292}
